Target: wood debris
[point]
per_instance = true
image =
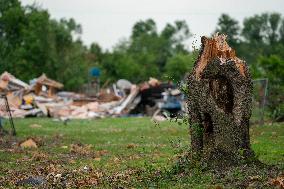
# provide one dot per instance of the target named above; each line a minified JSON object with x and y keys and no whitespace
{"x":29,"y":143}
{"x":41,"y":98}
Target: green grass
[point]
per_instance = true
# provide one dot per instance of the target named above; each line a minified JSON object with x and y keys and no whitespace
{"x":134,"y":151}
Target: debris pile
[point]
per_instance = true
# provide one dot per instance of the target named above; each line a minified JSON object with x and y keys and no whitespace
{"x":44,"y":98}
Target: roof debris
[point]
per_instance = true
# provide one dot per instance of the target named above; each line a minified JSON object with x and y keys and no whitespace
{"x":42,"y":98}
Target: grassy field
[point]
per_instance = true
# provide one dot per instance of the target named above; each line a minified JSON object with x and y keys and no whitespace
{"x":123,"y":153}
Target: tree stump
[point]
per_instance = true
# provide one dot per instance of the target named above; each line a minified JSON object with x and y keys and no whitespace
{"x":219,"y":102}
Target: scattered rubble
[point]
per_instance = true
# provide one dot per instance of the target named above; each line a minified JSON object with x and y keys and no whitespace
{"x":43,"y":98}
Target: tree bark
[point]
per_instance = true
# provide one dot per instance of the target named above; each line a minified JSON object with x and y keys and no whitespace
{"x":219,"y":103}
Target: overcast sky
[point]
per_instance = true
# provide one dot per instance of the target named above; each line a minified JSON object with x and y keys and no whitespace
{"x":108,"y":21}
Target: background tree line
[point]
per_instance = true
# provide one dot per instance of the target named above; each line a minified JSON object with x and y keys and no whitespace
{"x":32,"y":43}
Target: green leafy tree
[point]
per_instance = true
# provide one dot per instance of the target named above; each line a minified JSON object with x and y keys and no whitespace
{"x":261,"y":36}
{"x":12,"y":22}
{"x":96,"y":52}
{"x":178,"y":65}
{"x":31,"y":43}
{"x":34,"y":52}
{"x":264,"y":28}
{"x":147,"y":51}
{"x":272,"y":67}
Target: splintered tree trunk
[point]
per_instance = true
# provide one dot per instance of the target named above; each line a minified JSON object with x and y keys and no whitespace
{"x":219,"y":101}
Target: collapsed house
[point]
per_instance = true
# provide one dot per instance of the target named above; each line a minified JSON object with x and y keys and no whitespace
{"x":44,"y":98}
